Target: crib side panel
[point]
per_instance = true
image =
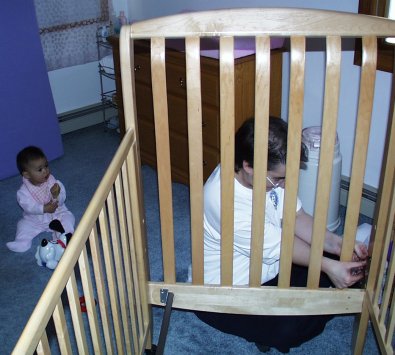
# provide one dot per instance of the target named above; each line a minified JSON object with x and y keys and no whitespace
{"x":104,"y":308}
{"x":225,"y":26}
{"x":380,"y":284}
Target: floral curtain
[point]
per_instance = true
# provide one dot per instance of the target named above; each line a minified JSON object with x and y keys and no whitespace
{"x":68,"y":30}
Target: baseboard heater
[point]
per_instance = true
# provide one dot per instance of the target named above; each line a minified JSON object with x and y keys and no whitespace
{"x":369,"y":197}
{"x":86,"y":116}
{"x":84,"y":111}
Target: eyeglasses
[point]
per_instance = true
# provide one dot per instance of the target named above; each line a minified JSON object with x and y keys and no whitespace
{"x":279,"y":180}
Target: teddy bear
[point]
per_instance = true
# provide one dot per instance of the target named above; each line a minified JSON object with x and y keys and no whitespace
{"x":49,"y":252}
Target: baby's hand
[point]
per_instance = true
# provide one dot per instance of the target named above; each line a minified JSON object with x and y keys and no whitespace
{"x":55,"y":190}
{"x":50,"y":207}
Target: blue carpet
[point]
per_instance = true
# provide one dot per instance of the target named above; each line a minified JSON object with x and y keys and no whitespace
{"x":87,"y":154}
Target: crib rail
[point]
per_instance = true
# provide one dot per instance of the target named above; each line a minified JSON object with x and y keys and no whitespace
{"x":379,"y":303}
{"x":100,"y":264}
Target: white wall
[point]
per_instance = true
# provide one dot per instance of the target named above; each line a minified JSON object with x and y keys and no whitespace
{"x":125,"y":5}
{"x":79,"y":86}
{"x":313,"y":106}
{"x":75,"y":87}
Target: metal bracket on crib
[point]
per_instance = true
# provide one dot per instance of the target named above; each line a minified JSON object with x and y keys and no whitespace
{"x":166,"y":297}
{"x":163,"y":295}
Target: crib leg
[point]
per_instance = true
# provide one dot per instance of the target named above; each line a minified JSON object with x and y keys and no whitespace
{"x":158,"y":349}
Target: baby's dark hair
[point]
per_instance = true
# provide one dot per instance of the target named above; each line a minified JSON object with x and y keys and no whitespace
{"x":277,"y":144}
{"x":26,"y":155}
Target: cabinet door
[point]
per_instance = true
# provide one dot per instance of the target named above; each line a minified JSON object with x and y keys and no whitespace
{"x":145,"y":121}
{"x":178,"y":124}
{"x":142,"y":68}
{"x":210,"y":82}
{"x":176,"y":78}
{"x":147,"y":143}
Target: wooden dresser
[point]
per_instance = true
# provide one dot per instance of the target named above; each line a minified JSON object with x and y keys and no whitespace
{"x":176,"y":86}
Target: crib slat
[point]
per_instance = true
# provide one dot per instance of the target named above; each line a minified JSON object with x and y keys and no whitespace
{"x":296,"y":97}
{"x":43,"y":345}
{"x":139,"y":245}
{"x":227,"y":124}
{"x":390,"y":289}
{"x":387,"y":293}
{"x":89,"y":296}
{"x":121,"y":207}
{"x":126,"y":51}
{"x":365,"y":106}
{"x":262,"y":97}
{"x":61,"y":329}
{"x":100,"y":287}
{"x":159,"y":96}
{"x":389,"y":275}
{"x":75,"y":309}
{"x":116,"y":248}
{"x":194,"y":107}
{"x":382,"y":266}
{"x":111,"y":282}
{"x":135,"y":289}
{"x":328,"y":140}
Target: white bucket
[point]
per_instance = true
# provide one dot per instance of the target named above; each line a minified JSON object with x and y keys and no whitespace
{"x":311,"y":136}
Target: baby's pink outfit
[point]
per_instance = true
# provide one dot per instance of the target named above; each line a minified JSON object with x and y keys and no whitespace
{"x":32,"y":200}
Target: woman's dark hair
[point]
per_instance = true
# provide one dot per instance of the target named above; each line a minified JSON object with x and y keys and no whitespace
{"x":277,"y":144}
{"x":26,"y":155}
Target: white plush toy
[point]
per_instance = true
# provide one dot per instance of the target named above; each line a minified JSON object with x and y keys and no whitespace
{"x":49,"y":252}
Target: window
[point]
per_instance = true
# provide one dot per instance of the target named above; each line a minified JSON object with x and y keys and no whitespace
{"x":68,"y":30}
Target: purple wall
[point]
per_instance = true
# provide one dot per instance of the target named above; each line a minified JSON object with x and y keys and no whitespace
{"x":28,"y":115}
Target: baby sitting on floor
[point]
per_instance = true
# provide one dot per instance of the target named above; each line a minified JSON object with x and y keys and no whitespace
{"x":41,"y":197}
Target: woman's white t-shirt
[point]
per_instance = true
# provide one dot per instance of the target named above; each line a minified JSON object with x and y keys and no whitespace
{"x":242,"y":232}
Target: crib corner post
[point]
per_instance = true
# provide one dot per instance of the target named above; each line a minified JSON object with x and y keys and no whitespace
{"x":360,"y":328}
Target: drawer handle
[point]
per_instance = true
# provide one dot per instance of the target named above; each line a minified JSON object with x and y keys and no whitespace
{"x":137,"y":67}
{"x":204,"y":162}
{"x":204,"y":124}
{"x":182,"y":82}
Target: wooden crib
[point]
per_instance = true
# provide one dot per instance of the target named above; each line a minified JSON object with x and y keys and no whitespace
{"x":109,"y":246}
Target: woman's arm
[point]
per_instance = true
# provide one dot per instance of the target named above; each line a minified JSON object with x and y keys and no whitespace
{"x":304,"y":230}
{"x":340,"y":273}
{"x":332,"y":243}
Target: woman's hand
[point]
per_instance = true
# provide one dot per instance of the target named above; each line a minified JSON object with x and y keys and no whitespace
{"x":344,"y":274}
{"x":360,"y":252}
